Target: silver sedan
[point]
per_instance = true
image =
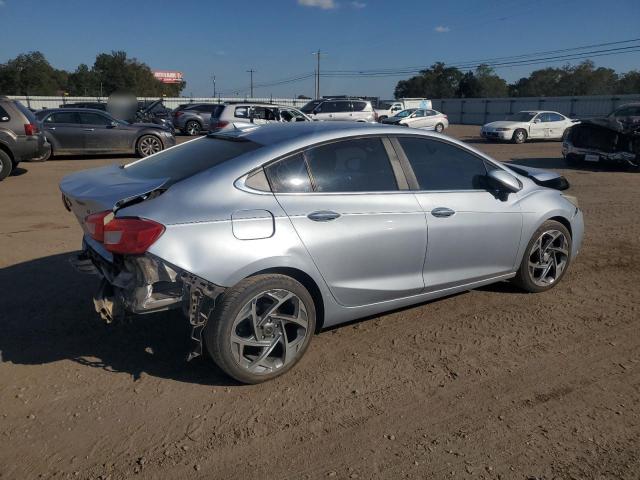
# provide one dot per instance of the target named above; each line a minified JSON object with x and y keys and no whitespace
{"x":265,"y":236}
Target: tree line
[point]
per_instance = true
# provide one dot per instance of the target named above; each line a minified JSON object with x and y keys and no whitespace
{"x":441,"y":81}
{"x":31,"y":74}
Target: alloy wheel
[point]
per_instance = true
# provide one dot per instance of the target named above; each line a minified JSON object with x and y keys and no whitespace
{"x":149,"y":145}
{"x":548,"y":258}
{"x":193,"y":128}
{"x":269,"y":331}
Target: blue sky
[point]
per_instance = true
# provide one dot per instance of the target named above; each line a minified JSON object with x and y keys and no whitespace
{"x":276,"y":37}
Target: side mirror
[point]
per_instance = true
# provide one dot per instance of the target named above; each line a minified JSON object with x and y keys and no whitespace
{"x":113,"y":124}
{"x":504,"y":180}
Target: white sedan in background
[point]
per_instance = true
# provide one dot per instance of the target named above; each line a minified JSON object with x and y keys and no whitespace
{"x":424,"y":118}
{"x":530,"y":124}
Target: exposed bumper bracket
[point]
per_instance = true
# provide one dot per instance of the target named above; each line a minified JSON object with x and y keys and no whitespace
{"x":202,"y":297}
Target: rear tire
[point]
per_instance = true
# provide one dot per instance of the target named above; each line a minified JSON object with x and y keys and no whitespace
{"x":546,"y":258}
{"x":439,"y":128}
{"x":261,"y":327}
{"x":519,"y":136}
{"x":192,"y":128}
{"x":6,"y":165}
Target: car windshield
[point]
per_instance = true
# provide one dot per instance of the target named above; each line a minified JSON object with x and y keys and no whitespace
{"x":190,"y":158}
{"x":522,"y":116}
{"x":405,"y":113}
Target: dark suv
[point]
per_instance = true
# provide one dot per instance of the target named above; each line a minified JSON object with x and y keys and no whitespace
{"x":195,"y":118}
{"x":20,"y":137}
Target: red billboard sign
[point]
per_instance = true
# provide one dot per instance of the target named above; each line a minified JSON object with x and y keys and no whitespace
{"x":168,"y":76}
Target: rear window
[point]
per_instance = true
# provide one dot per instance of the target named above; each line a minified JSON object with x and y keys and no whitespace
{"x":26,"y":112}
{"x":190,"y":158}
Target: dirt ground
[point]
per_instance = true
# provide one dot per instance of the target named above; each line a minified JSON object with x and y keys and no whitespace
{"x":488,"y":384}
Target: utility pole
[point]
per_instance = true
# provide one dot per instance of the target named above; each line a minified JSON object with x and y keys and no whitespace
{"x":213,"y":79}
{"x":251,"y":72}
{"x":318,"y":54}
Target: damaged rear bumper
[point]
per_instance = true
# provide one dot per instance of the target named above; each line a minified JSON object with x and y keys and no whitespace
{"x":591,"y":155}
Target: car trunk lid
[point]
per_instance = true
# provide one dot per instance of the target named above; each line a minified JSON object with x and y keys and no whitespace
{"x":107,"y":188}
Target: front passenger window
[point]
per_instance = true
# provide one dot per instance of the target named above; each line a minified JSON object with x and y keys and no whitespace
{"x":440,"y":166}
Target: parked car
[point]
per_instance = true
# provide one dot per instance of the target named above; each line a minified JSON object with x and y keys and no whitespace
{"x":390,"y":108}
{"x":614,"y":139}
{"x":88,"y":132}
{"x":266,"y":235}
{"x":310,"y":106}
{"x":529,"y":125}
{"x":344,"y":110}
{"x":245,"y":115}
{"x":195,"y":118}
{"x":420,"y":118}
{"x":154,"y":112}
{"x":20,"y":136}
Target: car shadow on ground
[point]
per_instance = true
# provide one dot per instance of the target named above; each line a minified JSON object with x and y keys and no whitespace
{"x":48,"y":316}
{"x":561,"y":163}
{"x":16,"y":172}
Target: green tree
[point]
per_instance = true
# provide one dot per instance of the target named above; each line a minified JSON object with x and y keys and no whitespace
{"x":482,"y":83}
{"x":438,"y":81}
{"x":31,"y":74}
{"x":83,"y":82}
{"x":629,"y":82}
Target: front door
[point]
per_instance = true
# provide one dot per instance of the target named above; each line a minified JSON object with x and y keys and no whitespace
{"x":101,"y":135}
{"x":473,"y":233}
{"x":366,"y":235}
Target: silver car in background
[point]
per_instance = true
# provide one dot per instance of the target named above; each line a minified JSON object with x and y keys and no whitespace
{"x":264,"y":236}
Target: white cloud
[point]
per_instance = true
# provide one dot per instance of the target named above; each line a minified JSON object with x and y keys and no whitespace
{"x":442,"y":29}
{"x":358,"y":5}
{"x":323,"y":4}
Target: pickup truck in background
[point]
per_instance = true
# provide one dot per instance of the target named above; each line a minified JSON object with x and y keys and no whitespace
{"x":388,"y":108}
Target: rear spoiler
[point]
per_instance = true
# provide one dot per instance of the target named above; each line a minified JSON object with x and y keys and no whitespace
{"x":544,"y":178}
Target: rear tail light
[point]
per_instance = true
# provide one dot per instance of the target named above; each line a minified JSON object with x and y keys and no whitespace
{"x":95,"y":224}
{"x":30,"y":129}
{"x":218,"y":124}
{"x":132,"y":236}
{"x":177,"y":114}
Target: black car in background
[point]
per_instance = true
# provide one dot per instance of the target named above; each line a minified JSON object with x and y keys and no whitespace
{"x":76,"y":131}
{"x":21,"y":138}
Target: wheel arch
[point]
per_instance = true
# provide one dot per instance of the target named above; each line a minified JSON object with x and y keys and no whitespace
{"x":564,"y":221}
{"x":308,"y":283}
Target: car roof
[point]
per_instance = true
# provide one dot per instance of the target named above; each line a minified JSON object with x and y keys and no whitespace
{"x":283,"y":133}
{"x":75,"y":109}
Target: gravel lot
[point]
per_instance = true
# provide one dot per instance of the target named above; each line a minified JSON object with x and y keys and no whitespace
{"x":490,"y":384}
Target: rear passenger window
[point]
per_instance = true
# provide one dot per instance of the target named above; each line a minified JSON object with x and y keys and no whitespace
{"x":359,"y":106}
{"x":241,"y":112}
{"x":441,"y":166}
{"x":4,"y":116}
{"x":289,"y":175}
{"x":359,"y":165}
{"x":62,"y":117}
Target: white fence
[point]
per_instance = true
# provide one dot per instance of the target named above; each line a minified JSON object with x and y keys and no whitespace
{"x":39,"y":103}
{"x":478,"y":111}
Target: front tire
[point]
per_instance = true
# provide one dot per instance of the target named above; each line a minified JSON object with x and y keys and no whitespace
{"x":519,"y":136}
{"x":439,"y":128}
{"x":6,"y":165}
{"x":148,"y":145}
{"x":261,"y":327}
{"x":546,"y":258}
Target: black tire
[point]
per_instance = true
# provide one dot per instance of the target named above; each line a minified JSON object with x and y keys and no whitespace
{"x":383,"y":117}
{"x":148,"y":145}
{"x":523,"y":277}
{"x":439,"y":128}
{"x":6,"y":165}
{"x":564,"y":135}
{"x":43,"y":159}
{"x":519,"y":136}
{"x":217,"y":335}
{"x":192,"y":128}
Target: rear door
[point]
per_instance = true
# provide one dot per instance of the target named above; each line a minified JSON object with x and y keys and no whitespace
{"x":473,"y":233}
{"x":349,"y":203}
{"x":65,"y":131}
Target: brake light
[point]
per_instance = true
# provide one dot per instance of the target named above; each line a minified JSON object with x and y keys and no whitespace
{"x":30,"y":129}
{"x":177,"y":114}
{"x":95,"y":224}
{"x":132,"y":236}
{"x":218,"y":124}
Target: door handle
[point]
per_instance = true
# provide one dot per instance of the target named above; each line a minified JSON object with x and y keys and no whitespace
{"x":51,"y":128}
{"x":442,"y":212}
{"x":89,"y":129}
{"x":323,"y":216}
